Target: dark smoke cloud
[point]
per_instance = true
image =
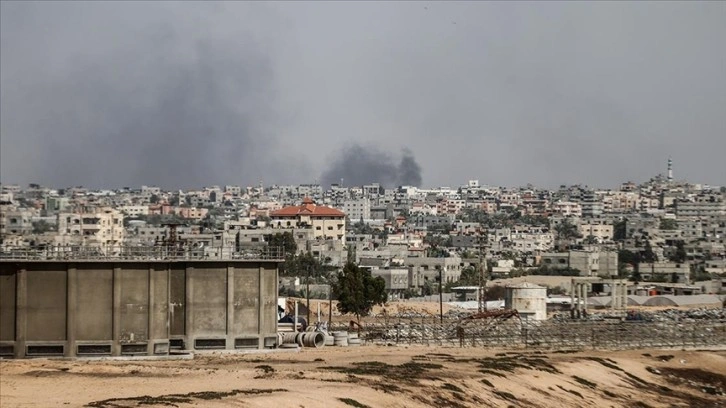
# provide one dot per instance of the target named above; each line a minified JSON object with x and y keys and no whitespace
{"x":409,"y":171}
{"x":358,"y":165}
{"x":175,"y":108}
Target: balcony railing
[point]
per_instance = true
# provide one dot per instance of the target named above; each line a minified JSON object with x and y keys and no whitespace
{"x":141,"y":253}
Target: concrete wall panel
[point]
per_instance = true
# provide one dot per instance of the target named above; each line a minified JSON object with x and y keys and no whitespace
{"x":46,"y":310}
{"x":268,"y":317}
{"x":177,"y":300}
{"x":159,"y":280}
{"x":134,"y":319}
{"x":7,"y":305}
{"x":207,"y":300}
{"x":246,"y":301}
{"x":94,"y":302}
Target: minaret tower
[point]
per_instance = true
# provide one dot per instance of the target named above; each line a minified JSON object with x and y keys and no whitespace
{"x":670,"y":170}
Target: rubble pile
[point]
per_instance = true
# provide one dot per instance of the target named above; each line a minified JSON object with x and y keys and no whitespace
{"x":666,"y":315}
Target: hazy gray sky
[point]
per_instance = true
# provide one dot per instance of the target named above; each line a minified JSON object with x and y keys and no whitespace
{"x":112,"y":94}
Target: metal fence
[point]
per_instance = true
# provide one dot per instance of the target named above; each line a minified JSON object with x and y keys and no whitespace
{"x":145,"y":253}
{"x":557,"y":335}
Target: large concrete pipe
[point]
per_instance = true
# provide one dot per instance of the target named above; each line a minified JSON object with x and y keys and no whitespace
{"x":314,"y":339}
{"x":340,"y":338}
{"x":289,"y":338}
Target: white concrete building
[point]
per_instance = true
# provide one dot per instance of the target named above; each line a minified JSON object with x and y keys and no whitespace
{"x":567,"y":209}
{"x":357,"y":209}
{"x":99,"y":227}
{"x":134,"y":210}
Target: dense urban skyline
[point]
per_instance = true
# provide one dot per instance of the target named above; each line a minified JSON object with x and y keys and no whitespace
{"x":186,"y":94}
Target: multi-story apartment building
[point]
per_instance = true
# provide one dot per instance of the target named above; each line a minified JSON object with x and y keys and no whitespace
{"x":425,"y":270}
{"x":98,"y":227}
{"x":450,"y":206}
{"x":598,"y":228}
{"x":134,"y":210}
{"x":193,"y":213}
{"x":567,"y":209}
{"x":620,"y":201}
{"x":422,"y":208}
{"x":590,"y":262}
{"x":591,"y":204}
{"x":666,"y":272}
{"x":691,"y":228}
{"x":710,"y":205}
{"x":235,"y":191}
{"x":531,"y":241}
{"x":55,"y":204}
{"x":431,"y":221}
{"x":150,"y":235}
{"x":309,"y":190}
{"x":15,"y":221}
{"x":357,"y":210}
{"x":324,"y":222}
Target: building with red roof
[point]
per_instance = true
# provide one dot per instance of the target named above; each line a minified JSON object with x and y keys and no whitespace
{"x":321,"y":221}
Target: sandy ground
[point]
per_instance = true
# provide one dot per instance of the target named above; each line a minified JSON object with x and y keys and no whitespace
{"x":376,"y":376}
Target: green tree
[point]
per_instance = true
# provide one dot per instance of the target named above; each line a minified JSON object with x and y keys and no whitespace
{"x":154,"y":199}
{"x":648,"y":254}
{"x":590,"y":240}
{"x":566,"y":230}
{"x":550,"y":271}
{"x":668,"y":224}
{"x":495,"y":292}
{"x":619,"y":230}
{"x":626,"y":257}
{"x":474,"y":215}
{"x":358,"y":291}
{"x":284,"y":240}
{"x":469,"y":277}
{"x":536,"y":220}
{"x":680,"y":255}
{"x":698,"y":273}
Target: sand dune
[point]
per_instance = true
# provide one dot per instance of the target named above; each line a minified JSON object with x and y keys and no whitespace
{"x":376,"y":376}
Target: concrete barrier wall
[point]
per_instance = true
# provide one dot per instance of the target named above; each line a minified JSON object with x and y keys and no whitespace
{"x":55,"y":308}
{"x":7,"y":309}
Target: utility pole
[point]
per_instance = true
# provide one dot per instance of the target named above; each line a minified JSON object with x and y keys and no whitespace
{"x":441,"y":294}
{"x":330,"y":305}
{"x":482,"y":281}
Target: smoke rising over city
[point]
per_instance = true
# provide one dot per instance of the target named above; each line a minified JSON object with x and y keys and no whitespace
{"x":175,"y":108}
{"x":188,"y":94}
{"x":357,"y":165}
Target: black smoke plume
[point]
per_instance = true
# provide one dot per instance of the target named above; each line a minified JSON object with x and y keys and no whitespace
{"x":358,"y":165}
